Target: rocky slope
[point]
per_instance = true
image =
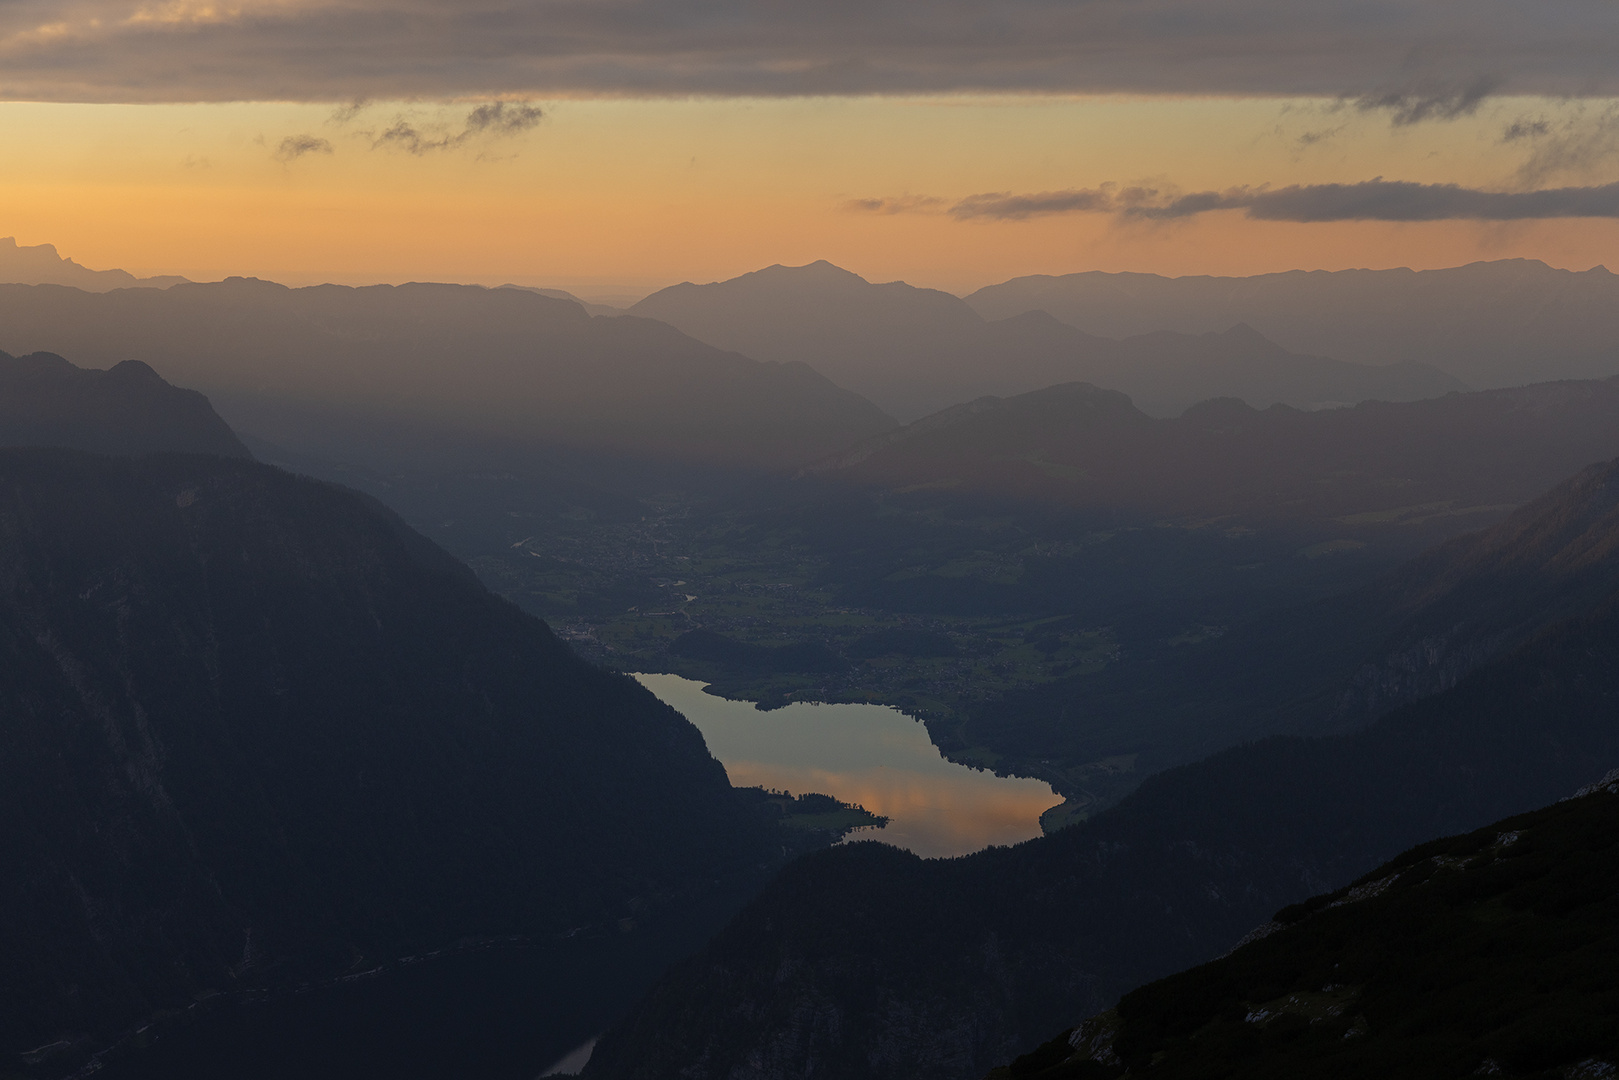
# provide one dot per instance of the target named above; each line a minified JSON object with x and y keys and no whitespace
{"x":1488,"y":954}
{"x":258,"y":734}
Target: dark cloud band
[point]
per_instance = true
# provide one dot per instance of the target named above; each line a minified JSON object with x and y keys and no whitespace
{"x":1370,"y":200}
{"x":341,"y":50}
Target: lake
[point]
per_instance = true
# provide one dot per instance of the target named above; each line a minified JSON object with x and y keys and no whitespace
{"x":867,"y":754}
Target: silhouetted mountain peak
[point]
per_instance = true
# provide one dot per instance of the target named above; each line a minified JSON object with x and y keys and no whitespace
{"x":820,"y":274}
{"x":239,"y":283}
{"x":42,"y":264}
{"x":1244,"y":334}
{"x":46,"y":401}
{"x":131,"y":373}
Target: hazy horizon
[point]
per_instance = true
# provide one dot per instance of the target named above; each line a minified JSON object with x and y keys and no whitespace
{"x":1035,"y":505}
{"x":627,"y":290}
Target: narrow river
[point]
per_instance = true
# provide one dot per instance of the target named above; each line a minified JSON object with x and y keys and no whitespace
{"x":867,"y":754}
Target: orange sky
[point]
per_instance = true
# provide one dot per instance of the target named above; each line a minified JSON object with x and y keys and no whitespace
{"x":624,"y":196}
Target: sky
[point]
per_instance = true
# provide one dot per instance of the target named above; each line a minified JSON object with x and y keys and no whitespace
{"x":615,"y":146}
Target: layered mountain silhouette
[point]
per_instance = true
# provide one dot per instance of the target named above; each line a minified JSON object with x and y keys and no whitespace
{"x":1488,"y":954}
{"x":41,"y":265}
{"x":1376,"y":465}
{"x":330,"y":366}
{"x":261,"y":736}
{"x":1490,"y":324}
{"x":563,"y":294}
{"x":866,"y":961}
{"x":914,"y":351}
{"x":1335,"y":664}
{"x":129,"y":409}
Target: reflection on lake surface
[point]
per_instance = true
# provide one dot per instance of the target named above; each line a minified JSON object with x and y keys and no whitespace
{"x":867,"y":754}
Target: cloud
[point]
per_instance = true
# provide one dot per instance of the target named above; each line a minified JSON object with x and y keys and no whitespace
{"x":1312,"y":138}
{"x":903,"y":204}
{"x":344,"y":50}
{"x":503,"y":118}
{"x":1005,"y":206}
{"x":344,"y":114}
{"x":294,"y":147}
{"x":1369,"y":200}
{"x":1415,"y":104}
{"x":498,"y":119}
{"x":1583,"y":144}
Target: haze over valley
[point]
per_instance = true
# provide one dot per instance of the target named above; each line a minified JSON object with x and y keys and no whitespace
{"x":718,"y":541}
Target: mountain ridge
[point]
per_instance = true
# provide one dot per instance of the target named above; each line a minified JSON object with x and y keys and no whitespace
{"x":262,"y":733}
{"x":128,"y":409}
{"x":40,"y":264}
{"x":1489,"y":323}
{"x":310,"y":368}
{"x":914,"y":350}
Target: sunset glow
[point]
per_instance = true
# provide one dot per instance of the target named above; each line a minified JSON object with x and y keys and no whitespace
{"x":621,"y":196}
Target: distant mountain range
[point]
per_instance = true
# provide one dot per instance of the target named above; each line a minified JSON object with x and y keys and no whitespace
{"x":1376,"y":465}
{"x":561,"y":294}
{"x":1489,"y":324}
{"x":867,"y":962}
{"x":915,"y":351}
{"x":41,"y":265}
{"x":330,"y":367}
{"x":46,"y":401}
{"x":1333,"y":664}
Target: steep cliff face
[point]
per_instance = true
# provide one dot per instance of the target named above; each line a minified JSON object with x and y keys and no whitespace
{"x":254,"y":732}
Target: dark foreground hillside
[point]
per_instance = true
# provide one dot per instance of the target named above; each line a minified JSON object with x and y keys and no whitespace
{"x":867,"y":962}
{"x":1495,"y":953}
{"x":257,"y":735}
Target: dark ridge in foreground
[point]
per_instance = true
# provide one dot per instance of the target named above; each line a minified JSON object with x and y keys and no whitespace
{"x":129,"y":409}
{"x":1495,"y":953}
{"x":866,"y":962}
{"x":257,"y":733}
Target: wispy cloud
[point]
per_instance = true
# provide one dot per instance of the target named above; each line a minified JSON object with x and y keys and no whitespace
{"x":1416,"y":103}
{"x":1580,"y":145}
{"x":1005,"y":206}
{"x":294,"y":147}
{"x":1369,"y":200}
{"x":498,"y":119}
{"x":903,"y":204}
{"x":503,"y":118}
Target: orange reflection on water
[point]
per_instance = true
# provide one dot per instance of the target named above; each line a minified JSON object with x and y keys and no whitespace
{"x":866,"y":754}
{"x":927,"y":816}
